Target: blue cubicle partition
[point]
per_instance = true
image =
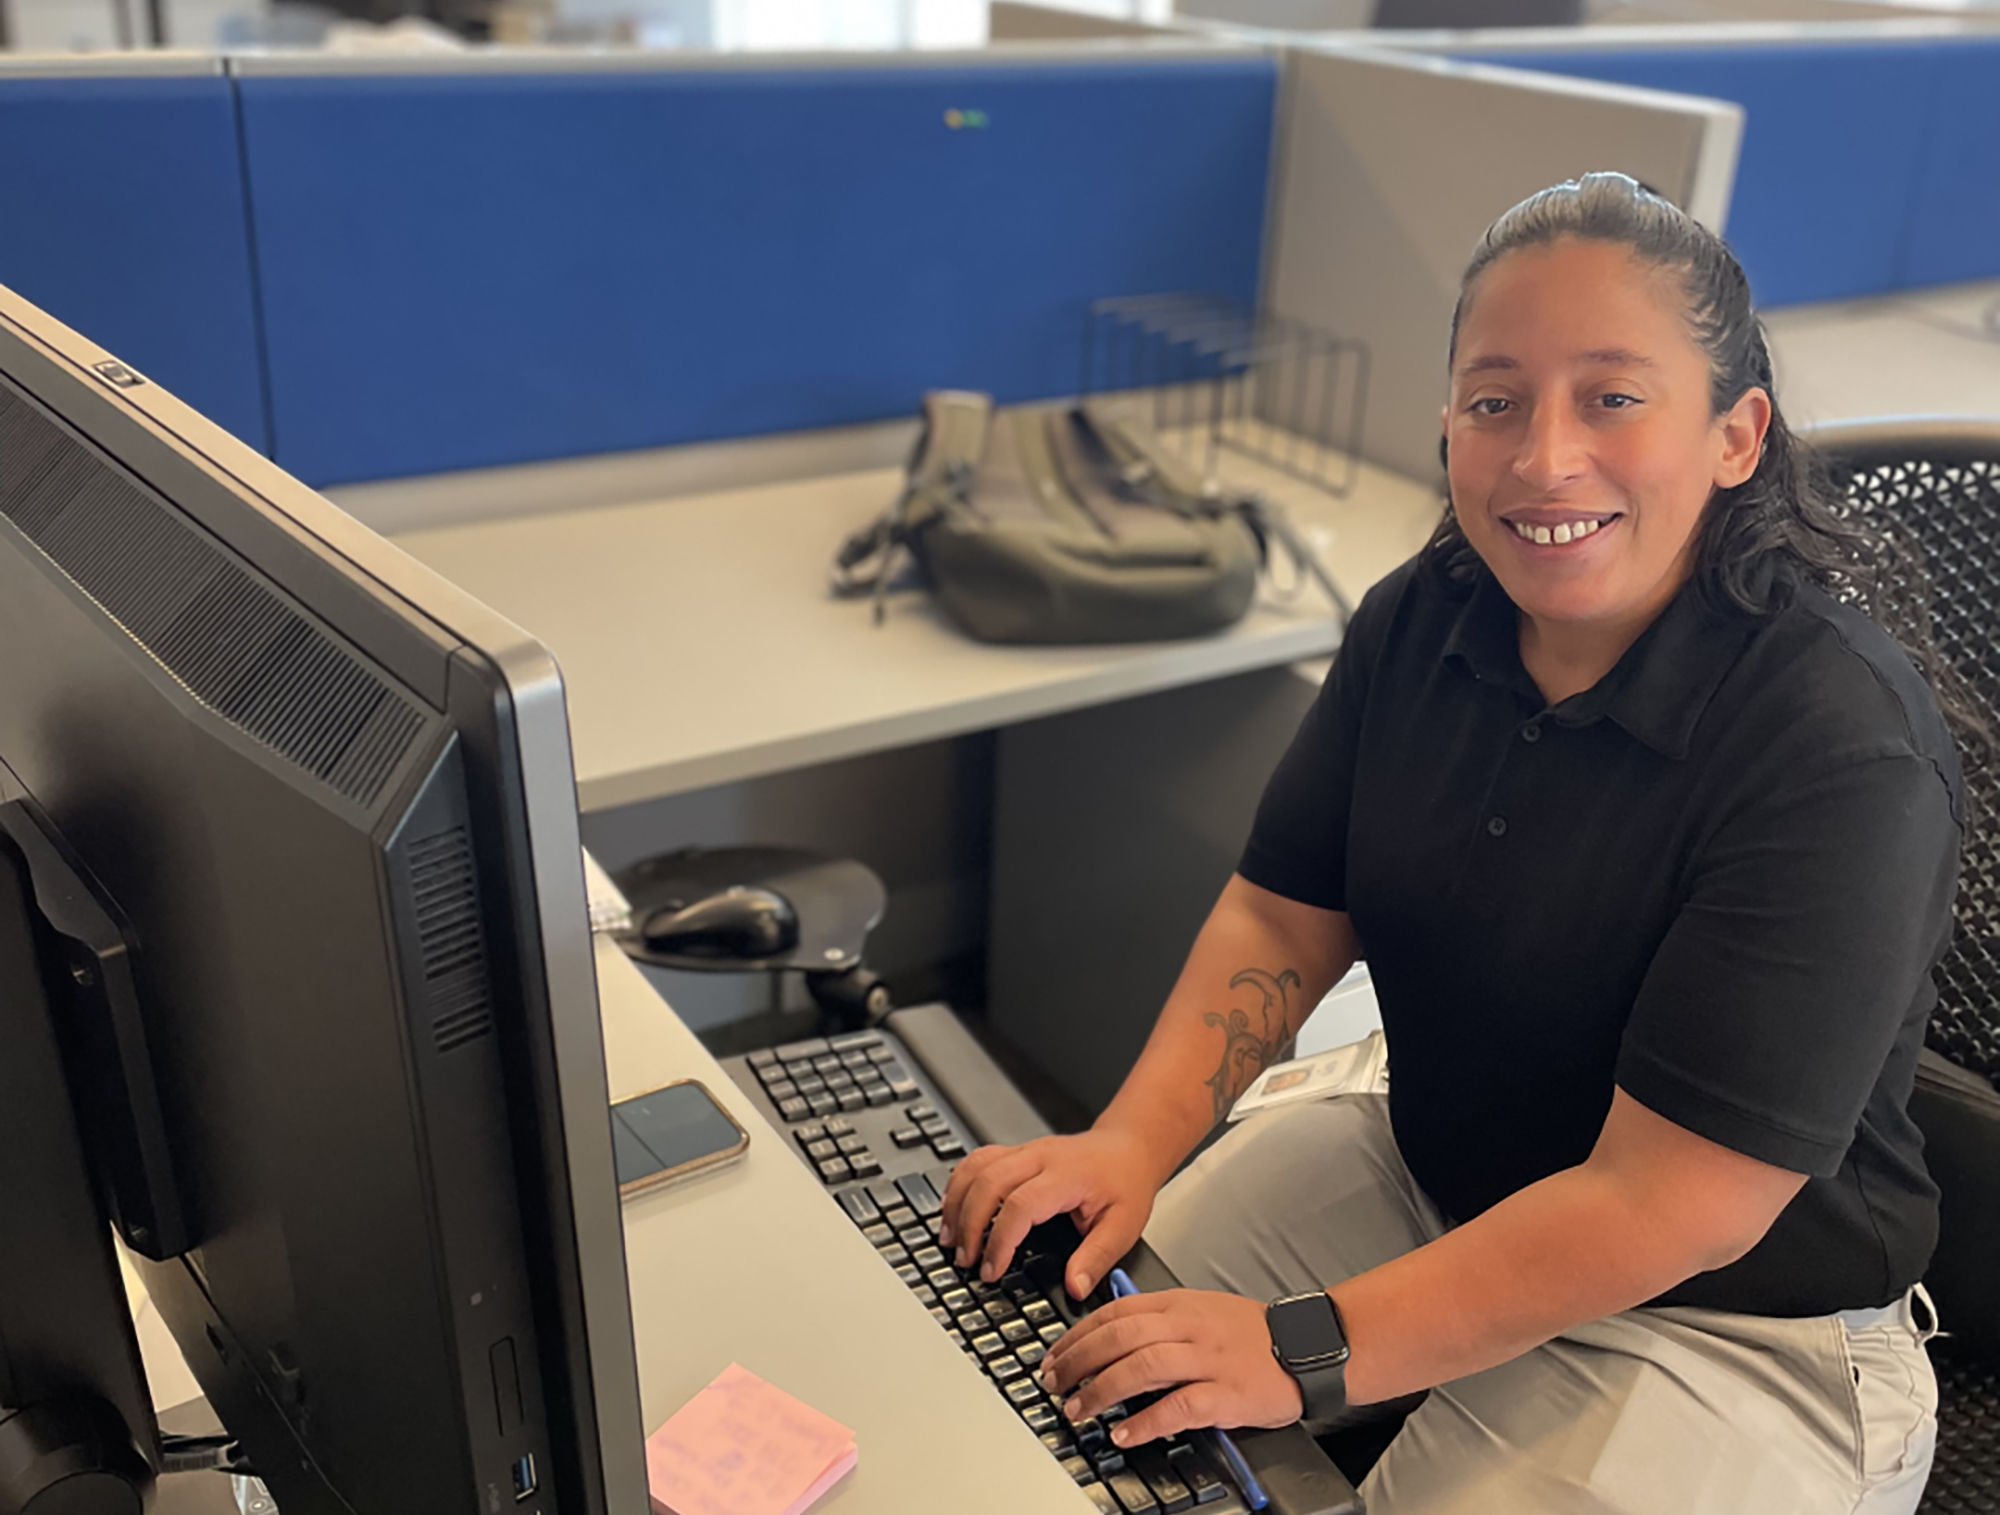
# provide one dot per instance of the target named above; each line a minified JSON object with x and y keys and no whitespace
{"x":1868,"y":165}
{"x":465,"y":269}
{"x":121,"y":213}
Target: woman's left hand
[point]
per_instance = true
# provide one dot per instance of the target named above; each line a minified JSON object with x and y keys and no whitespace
{"x":1212,"y":1352}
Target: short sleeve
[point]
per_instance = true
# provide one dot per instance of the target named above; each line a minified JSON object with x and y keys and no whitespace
{"x":1813,"y":918}
{"x":1298,"y":842}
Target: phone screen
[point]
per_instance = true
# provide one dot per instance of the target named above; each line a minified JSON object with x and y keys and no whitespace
{"x":672,"y":1131}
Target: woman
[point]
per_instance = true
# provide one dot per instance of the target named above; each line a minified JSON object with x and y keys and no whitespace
{"x":1651,"y":837}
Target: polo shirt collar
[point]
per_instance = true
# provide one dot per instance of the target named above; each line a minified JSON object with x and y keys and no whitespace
{"x":1657,"y":691}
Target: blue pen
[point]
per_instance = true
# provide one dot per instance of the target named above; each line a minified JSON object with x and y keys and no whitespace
{"x":1253,"y":1491}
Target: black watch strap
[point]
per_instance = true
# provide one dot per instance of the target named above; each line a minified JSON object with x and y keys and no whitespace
{"x":1309,"y":1341}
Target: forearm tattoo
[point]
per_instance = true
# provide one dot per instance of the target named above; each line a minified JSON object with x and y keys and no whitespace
{"x":1256,"y":1033}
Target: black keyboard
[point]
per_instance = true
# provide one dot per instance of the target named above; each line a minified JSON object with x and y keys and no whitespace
{"x":865,"y":1118}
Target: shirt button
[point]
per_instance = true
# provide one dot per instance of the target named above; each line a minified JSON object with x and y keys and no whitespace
{"x":1497,"y":826}
{"x":1531,"y":733}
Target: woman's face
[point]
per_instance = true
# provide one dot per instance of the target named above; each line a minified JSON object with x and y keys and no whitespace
{"x":1582,"y":448}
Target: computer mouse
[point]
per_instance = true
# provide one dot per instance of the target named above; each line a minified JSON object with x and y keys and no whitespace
{"x":744,"y":921}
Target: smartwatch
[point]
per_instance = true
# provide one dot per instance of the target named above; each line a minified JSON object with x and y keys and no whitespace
{"x":1310,"y":1343}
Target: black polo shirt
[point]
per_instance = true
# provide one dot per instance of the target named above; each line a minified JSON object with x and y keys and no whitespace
{"x":1719,"y":880}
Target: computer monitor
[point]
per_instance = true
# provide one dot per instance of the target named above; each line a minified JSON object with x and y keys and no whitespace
{"x":347,"y":1104}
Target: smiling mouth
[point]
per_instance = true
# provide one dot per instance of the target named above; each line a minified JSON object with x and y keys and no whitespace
{"x":1563,"y":534}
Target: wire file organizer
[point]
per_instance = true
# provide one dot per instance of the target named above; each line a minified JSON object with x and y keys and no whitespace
{"x":1218,"y":376}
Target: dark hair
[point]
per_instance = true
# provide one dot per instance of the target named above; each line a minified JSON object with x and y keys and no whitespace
{"x":1785,"y":524}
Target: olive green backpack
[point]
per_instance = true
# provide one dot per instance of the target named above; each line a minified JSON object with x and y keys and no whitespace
{"x":1067,"y":524}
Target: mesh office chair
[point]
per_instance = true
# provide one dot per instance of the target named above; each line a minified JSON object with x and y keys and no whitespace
{"x":1934,"y":486}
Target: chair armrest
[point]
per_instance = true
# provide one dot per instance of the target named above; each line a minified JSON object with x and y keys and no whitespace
{"x":1959,"y":1114}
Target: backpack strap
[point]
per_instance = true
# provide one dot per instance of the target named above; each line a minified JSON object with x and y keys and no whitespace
{"x":938,"y":476}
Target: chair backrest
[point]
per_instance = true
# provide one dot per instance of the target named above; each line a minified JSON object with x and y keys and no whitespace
{"x":1934,"y":486}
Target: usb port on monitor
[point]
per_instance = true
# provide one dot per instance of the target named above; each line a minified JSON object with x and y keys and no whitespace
{"x":524,"y":1477}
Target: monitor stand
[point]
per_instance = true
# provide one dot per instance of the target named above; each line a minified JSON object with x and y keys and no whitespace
{"x":77,"y":1433}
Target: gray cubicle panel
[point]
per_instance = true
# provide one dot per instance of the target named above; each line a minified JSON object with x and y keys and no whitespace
{"x":1389,"y":169}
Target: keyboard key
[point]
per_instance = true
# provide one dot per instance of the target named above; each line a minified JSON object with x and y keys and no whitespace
{"x":1150,"y":1463}
{"x":973,"y":1322}
{"x":988,"y":1345}
{"x":1039,"y":1313}
{"x":876,"y":1095}
{"x":910,"y":1276}
{"x":904,"y":1088}
{"x":1031,"y":1354}
{"x":926,"y":1295}
{"x":812,"y":1046}
{"x":864,"y":1164}
{"x":1052,"y":1334}
{"x":934,"y":1224}
{"x":958,"y":1301}
{"x":798,"y":1070}
{"x":1108,"y":1462}
{"x":838,"y":1126}
{"x":1005,"y":1369}
{"x":851,"y":1143}
{"x":850,"y":1100}
{"x":783,"y":1088}
{"x":821,"y":1150}
{"x":1078,"y":1469}
{"x":854,"y":1041}
{"x":1091,"y":1438}
{"x":839,"y":1078}
{"x":822,"y":1104}
{"x":834,"y":1170}
{"x":1132,"y":1493}
{"x":948,"y":1146}
{"x":1059,"y":1444}
{"x":825,"y":1063}
{"x":1015,"y":1331}
{"x":855,"y":1059}
{"x":762,"y":1059}
{"x":941,"y":1279}
{"x":907,"y":1136}
{"x":878,"y":1235}
{"x":895,"y":1212}
{"x":1102,"y":1498}
{"x":913,"y":1235}
{"x":937,"y":1125}
{"x":859,"y":1207}
{"x":879,"y":1054}
{"x":793,"y":1109}
{"x":896,"y":1256}
{"x":887,"y":1195}
{"x":928,"y":1258}
{"x":924,"y":1110}
{"x":1203,"y":1478}
{"x":941,"y":1316}
{"x":1023,"y":1392}
{"x":811,"y":1086}
{"x":811,"y":1131}
{"x":1041,"y":1417}
{"x":918,"y":1191}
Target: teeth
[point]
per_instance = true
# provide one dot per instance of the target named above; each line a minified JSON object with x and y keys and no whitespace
{"x":1572,"y":531}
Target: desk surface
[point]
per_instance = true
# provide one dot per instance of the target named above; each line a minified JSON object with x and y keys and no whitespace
{"x":757,"y":1265}
{"x":699,"y":643}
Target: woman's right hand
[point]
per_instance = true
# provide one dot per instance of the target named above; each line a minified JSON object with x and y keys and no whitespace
{"x":1107,"y":1179}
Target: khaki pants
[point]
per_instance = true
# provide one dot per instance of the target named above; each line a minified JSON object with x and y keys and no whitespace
{"x":1650,"y":1412}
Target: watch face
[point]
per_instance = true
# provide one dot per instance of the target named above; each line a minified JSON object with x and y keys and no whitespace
{"x":1307,"y":1330}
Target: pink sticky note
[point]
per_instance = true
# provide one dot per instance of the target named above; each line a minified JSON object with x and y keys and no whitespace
{"x":745,"y":1447}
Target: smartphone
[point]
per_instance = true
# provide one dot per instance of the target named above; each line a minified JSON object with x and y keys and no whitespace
{"x":670,"y":1134}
